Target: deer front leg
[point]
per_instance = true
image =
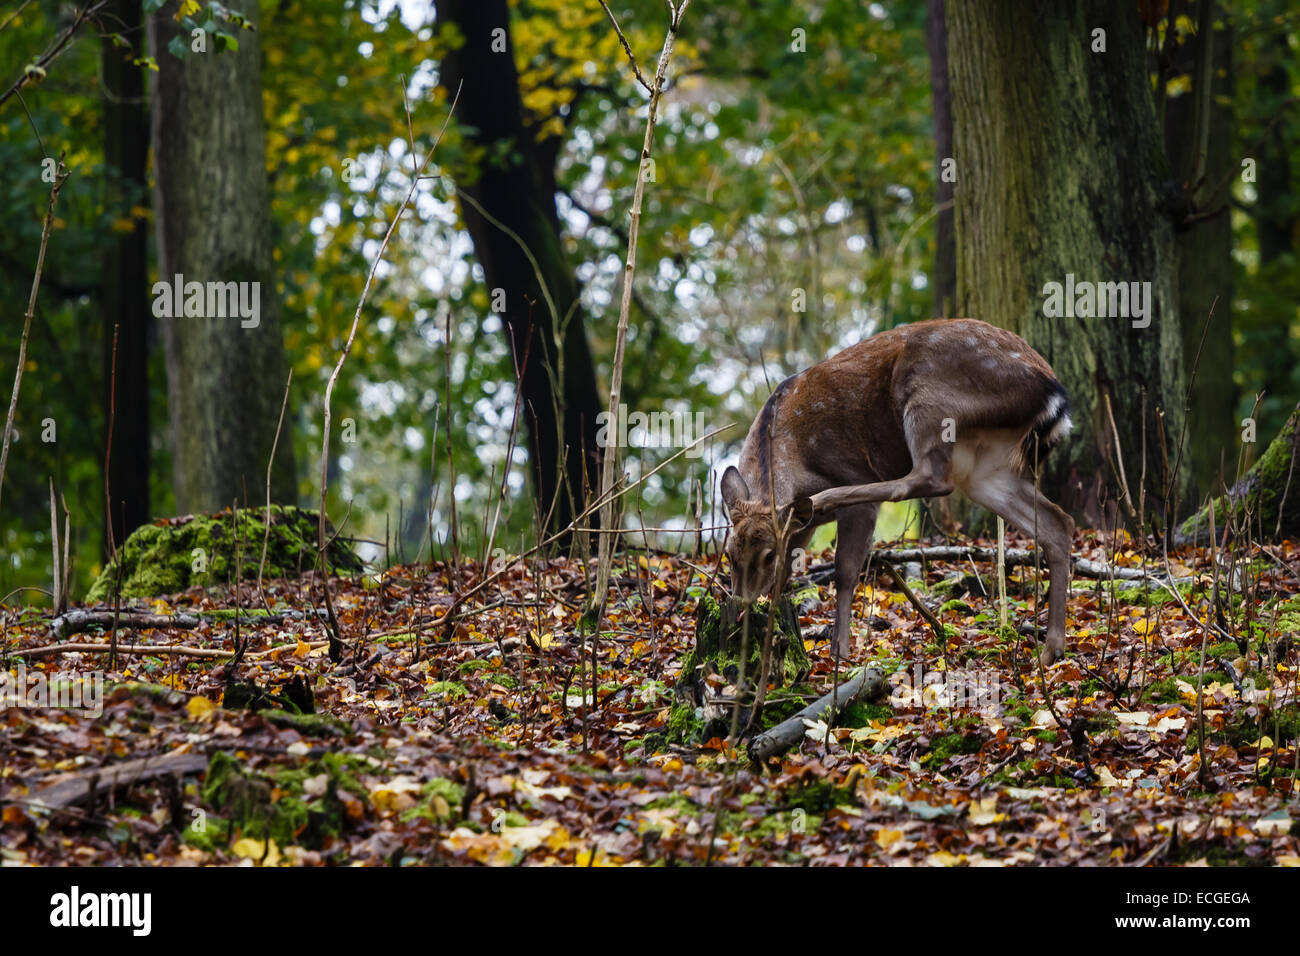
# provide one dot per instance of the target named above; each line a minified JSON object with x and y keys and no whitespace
{"x":855,"y":527}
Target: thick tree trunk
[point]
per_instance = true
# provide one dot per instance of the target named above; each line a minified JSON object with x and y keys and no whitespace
{"x":124,"y":281}
{"x":225,"y":382}
{"x":944,"y":274}
{"x":1057,"y":155}
{"x":518,"y":191}
{"x":1205,"y":254}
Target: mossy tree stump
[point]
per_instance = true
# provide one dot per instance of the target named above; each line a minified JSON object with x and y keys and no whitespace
{"x":1270,"y":490}
{"x":711,"y":686}
{"x":174,"y":554}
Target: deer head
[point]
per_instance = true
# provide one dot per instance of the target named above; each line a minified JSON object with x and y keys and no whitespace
{"x":759,"y":545}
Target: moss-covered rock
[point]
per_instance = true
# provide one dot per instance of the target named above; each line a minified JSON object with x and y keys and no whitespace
{"x":178,"y":553}
{"x":728,"y":646}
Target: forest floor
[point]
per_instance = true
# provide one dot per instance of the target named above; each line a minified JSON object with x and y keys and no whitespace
{"x":477,"y":746}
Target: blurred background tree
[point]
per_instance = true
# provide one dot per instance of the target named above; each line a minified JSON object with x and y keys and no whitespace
{"x":794,"y":209}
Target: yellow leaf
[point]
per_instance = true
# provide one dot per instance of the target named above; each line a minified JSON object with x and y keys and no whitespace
{"x":256,"y":850}
{"x":200,"y":707}
{"x":983,"y":812}
{"x":887,"y":838}
{"x":302,"y":650}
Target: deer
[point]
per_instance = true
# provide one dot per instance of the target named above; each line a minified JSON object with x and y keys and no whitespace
{"x":916,"y":411}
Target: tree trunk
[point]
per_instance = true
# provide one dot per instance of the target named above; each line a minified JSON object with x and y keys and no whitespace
{"x":1056,"y":147}
{"x":1269,"y":491}
{"x":225,"y":382}
{"x":944,"y":274}
{"x":1205,"y":253}
{"x":518,"y":191}
{"x":124,"y":280}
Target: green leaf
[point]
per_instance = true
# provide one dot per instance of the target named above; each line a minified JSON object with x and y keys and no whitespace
{"x":178,"y":48}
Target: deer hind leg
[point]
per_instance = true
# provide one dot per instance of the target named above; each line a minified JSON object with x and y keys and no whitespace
{"x":854,"y":528}
{"x":1017,"y":500}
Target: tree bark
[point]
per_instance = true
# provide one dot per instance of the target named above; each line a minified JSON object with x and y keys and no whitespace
{"x":225,"y":383}
{"x":518,"y":191}
{"x":944,"y":274}
{"x":124,"y":280}
{"x":1205,"y":254}
{"x":1058,"y":159}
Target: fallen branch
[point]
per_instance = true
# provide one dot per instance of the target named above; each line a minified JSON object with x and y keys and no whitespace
{"x":772,"y":743}
{"x":160,"y":650}
{"x":1015,"y":557}
{"x":78,"y":621}
{"x":152,"y":650}
{"x":78,"y":788}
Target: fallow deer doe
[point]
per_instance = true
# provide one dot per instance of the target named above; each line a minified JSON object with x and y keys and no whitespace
{"x":913,"y":412}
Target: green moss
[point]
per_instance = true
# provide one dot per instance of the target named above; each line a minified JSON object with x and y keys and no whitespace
{"x":245,"y":797}
{"x":230,"y":613}
{"x":165,"y":558}
{"x":209,"y":836}
{"x":1164,"y":691}
{"x":685,"y":722}
{"x":860,"y":713}
{"x":442,"y":801}
{"x":820,"y":795}
{"x":447,"y":688}
{"x":719,"y":638}
{"x":948,"y":745}
{"x":309,"y":725}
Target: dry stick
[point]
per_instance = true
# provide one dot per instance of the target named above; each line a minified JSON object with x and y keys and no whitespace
{"x":1172,"y":477}
{"x":916,"y":603}
{"x":266,"y":537}
{"x":336,"y":640}
{"x":1127,"y":497}
{"x":36,"y":69}
{"x":1002,"y":571}
{"x":573,"y":525}
{"x":453,"y":566}
{"x":54,"y":538}
{"x":1202,"y":771}
{"x":108,"y":502}
{"x":14,"y":16}
{"x":65,"y":586}
{"x":636,"y":70}
{"x":59,"y":179}
{"x":605,"y":552}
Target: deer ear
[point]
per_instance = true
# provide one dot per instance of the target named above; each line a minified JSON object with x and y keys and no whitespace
{"x":801,"y":513}
{"x":734,"y":489}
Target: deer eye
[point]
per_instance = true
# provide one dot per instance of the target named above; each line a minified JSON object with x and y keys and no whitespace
{"x":768,"y":557}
